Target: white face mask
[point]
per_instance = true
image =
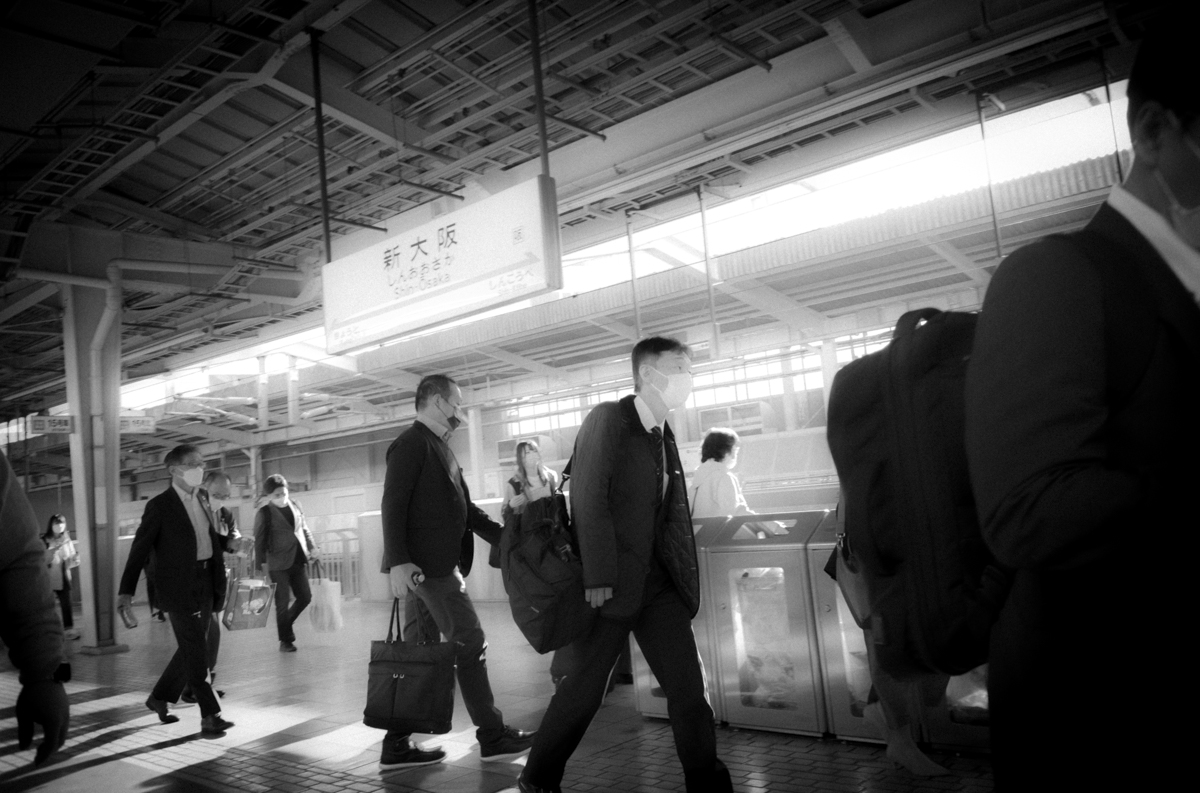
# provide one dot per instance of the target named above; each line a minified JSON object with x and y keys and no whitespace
{"x":676,"y":390}
{"x":1185,"y":221}
{"x":194,"y":477}
{"x":279,"y":501}
{"x":730,"y":461}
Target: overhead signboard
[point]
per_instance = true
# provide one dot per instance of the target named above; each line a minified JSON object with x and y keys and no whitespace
{"x":495,"y":251}
{"x":51,"y":425}
{"x":138,"y":425}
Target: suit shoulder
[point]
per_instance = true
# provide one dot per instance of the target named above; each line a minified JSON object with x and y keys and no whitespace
{"x":411,"y":438}
{"x":604,"y":413}
{"x":1053,"y":262}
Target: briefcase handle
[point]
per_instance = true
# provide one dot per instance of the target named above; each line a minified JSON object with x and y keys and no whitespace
{"x":394,"y":622}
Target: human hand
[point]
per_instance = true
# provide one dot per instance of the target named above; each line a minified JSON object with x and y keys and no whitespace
{"x":42,"y":702}
{"x":517,"y":501}
{"x":124,"y":600}
{"x":597,"y":595}
{"x":405,"y":577}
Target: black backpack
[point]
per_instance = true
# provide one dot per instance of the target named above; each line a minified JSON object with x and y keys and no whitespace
{"x":543,"y":576}
{"x":896,"y":430}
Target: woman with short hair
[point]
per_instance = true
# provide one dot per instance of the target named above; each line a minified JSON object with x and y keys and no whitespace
{"x":715,"y":489}
{"x":283,"y":546}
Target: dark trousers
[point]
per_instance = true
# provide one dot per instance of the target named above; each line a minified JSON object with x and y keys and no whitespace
{"x":64,"y":602}
{"x":441,"y":604}
{"x":189,"y":665}
{"x":214,"y":646}
{"x":663,"y":628}
{"x":292,"y":581}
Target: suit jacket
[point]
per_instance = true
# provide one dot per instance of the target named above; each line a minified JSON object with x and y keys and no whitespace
{"x":613,"y":509}
{"x":1082,"y":437}
{"x":29,"y":623}
{"x":166,"y":531}
{"x":428,"y":515}
{"x":276,"y":542}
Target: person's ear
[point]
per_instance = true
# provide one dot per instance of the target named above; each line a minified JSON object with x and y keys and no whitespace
{"x":1146,"y":129}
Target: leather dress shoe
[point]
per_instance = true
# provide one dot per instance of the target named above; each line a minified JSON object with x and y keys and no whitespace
{"x":529,"y":787}
{"x":511,"y":744}
{"x":214,"y":725}
{"x":406,"y":753}
{"x":160,"y":707}
{"x":287,"y":647}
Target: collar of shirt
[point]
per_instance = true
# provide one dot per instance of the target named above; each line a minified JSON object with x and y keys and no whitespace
{"x":1183,"y":259}
{"x":436,"y":427}
{"x":647,"y":415}
{"x":184,"y":495}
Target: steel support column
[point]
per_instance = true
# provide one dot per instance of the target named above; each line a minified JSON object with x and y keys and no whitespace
{"x":314,"y":45}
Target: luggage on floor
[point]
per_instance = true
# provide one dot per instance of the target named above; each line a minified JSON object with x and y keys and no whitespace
{"x":325,"y":611}
{"x":896,"y":431}
{"x":410,"y":685}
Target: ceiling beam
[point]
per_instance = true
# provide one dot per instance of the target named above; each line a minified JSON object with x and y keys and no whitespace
{"x":841,"y":30}
{"x":958,"y":260}
{"x":240,"y":438}
{"x":295,"y":80}
{"x":30,"y":297}
{"x":520,"y":361}
{"x":616,"y":328}
{"x":772,"y":302}
{"x":159,"y":218}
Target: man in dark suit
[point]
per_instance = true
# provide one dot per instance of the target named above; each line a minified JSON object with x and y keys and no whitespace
{"x":218,"y":485}
{"x":630,"y":511}
{"x":31,"y":628}
{"x":428,"y":520}
{"x":179,"y":527}
{"x":1082,"y":438}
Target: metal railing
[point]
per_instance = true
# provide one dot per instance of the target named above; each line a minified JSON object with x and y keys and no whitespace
{"x":341,"y":557}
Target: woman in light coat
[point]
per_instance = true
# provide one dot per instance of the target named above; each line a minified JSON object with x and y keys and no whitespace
{"x":716,"y":490}
{"x":61,"y":558}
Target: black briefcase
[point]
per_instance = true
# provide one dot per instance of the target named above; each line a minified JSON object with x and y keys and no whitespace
{"x":410,"y":685}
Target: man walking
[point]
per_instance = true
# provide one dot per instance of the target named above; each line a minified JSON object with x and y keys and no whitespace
{"x":1082,"y":431}
{"x":631,"y":515}
{"x":31,"y":628}
{"x":179,"y":527}
{"x":428,"y":520}
{"x":218,"y":486}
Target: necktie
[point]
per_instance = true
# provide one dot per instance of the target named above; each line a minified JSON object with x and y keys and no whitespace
{"x":656,"y":443}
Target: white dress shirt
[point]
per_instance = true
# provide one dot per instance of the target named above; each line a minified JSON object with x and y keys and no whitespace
{"x":1183,"y":259}
{"x":649,"y":422}
{"x":200,"y":521}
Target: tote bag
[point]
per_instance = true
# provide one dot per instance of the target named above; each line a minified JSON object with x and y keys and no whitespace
{"x":410,"y":685}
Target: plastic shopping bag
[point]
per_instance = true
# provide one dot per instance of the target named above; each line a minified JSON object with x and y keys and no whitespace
{"x":325,"y":611}
{"x":247,"y":603}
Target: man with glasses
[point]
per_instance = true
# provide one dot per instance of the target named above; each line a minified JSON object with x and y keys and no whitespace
{"x":428,"y":547}
{"x":180,"y":528}
{"x":218,"y":485}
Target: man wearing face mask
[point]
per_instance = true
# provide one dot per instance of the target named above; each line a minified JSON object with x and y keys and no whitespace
{"x":218,"y":485}
{"x":283,"y":546}
{"x":1082,"y":431}
{"x":428,"y":547}
{"x":187,"y":539}
{"x":630,"y":511}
